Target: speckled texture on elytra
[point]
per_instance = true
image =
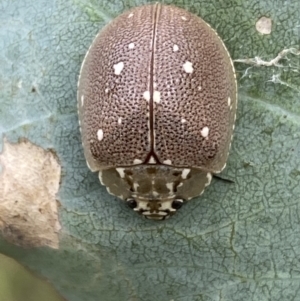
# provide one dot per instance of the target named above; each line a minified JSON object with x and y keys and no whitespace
{"x":153,"y":85}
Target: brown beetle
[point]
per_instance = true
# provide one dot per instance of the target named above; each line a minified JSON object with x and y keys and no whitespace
{"x":157,"y":101}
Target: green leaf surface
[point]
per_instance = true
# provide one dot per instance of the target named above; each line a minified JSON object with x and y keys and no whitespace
{"x":237,"y":241}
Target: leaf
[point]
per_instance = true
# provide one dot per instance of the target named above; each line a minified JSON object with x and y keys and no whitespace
{"x":237,"y":241}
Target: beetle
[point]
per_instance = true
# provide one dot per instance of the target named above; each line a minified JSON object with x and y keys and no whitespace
{"x":157,"y":101}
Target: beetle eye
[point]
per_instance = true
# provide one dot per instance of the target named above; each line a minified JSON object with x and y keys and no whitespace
{"x":177,"y":204}
{"x":131,"y":203}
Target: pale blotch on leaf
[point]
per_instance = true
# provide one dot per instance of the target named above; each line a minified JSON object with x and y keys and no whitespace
{"x":264,"y":25}
{"x":28,"y":185}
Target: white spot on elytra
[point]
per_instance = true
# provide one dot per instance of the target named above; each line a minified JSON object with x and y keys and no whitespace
{"x":188,"y":67}
{"x":183,"y":18}
{"x":118,"y":68}
{"x":185,"y":173}
{"x":183,"y":120}
{"x":156,"y":96}
{"x":106,"y":90}
{"x":130,"y":15}
{"x":100,"y":135}
{"x":121,"y":172}
{"x":152,"y":160}
{"x":137,"y":161}
{"x":146,"y":95}
{"x":229,"y":101}
{"x":119,"y":120}
{"x":82,"y":100}
{"x":175,"y":48}
{"x":167,"y":162}
{"x":205,"y":132}
{"x":199,"y":88}
{"x":131,"y":46}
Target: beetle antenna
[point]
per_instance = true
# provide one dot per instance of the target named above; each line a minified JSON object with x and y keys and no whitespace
{"x":223,"y":179}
